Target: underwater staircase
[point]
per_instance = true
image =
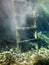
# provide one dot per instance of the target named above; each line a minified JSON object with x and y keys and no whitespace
{"x":34,"y":28}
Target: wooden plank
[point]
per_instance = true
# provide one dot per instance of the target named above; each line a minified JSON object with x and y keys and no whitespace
{"x":28,"y":40}
{"x":17,"y":33}
{"x":25,"y":28}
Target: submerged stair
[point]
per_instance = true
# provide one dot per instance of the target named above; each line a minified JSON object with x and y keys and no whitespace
{"x":33,"y":27}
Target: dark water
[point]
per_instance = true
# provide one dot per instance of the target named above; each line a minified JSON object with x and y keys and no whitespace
{"x":26,"y":13}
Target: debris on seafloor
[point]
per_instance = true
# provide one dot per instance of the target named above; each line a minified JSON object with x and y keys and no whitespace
{"x":28,"y":58}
